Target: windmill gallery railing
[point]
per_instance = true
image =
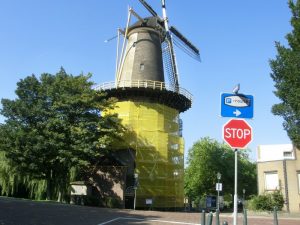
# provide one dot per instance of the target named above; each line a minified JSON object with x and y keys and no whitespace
{"x":149,"y":84}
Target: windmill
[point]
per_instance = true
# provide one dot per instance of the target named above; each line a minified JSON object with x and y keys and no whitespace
{"x":149,"y":107}
{"x":169,"y":35}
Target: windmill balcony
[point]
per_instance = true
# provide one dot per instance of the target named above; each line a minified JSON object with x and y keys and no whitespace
{"x":152,"y":84}
{"x":154,"y":91}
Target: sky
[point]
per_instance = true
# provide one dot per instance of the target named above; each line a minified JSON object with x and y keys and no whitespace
{"x":236,"y":41}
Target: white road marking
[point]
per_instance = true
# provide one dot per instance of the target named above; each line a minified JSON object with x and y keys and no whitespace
{"x":151,"y":220}
{"x":110,"y":221}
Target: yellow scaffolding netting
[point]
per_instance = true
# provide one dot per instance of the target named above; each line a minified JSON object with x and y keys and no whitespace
{"x":154,"y":134}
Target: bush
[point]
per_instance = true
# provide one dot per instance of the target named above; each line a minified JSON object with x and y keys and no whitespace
{"x":92,"y":201}
{"x":112,"y":202}
{"x":267,"y":202}
{"x":278,"y":200}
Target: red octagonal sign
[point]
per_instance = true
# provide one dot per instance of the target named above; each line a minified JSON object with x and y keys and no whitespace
{"x":237,"y":133}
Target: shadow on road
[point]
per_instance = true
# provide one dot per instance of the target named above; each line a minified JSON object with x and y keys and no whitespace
{"x":26,"y":212}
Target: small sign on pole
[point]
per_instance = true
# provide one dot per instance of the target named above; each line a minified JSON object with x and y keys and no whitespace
{"x":237,"y":105}
{"x":218,"y":186}
{"x":237,"y":133}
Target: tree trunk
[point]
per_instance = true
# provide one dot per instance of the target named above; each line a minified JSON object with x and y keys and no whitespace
{"x":49,"y":189}
{"x":49,"y":186}
{"x":59,"y":199}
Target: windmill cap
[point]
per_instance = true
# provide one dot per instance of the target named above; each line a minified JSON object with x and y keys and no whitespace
{"x":150,"y":22}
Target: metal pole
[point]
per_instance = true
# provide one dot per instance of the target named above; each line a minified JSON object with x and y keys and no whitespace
{"x":218,"y":200}
{"x":218,"y":208}
{"x":245,"y":222}
{"x":203,"y":217}
{"x":235,"y":189}
{"x":209,"y":218}
{"x":136,"y":182}
{"x":218,"y":189}
{"x":275,"y":219}
{"x":175,"y":174}
{"x":134,"y":203}
{"x":244,"y":191}
{"x":217,"y":217}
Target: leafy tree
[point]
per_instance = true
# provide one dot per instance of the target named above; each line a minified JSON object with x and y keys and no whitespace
{"x":54,"y":127}
{"x":206,"y":158}
{"x":286,"y":75}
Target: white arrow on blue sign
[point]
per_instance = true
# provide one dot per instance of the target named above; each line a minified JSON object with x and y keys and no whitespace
{"x":237,"y":105}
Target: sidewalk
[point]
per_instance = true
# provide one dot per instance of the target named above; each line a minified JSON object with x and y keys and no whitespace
{"x":280,"y":214}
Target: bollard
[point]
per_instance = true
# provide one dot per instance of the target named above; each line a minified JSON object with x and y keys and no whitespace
{"x":209,"y":218}
{"x":245,"y":217}
{"x":275,"y":216}
{"x":217,"y":217}
{"x":203,"y":217}
{"x":225,"y":223}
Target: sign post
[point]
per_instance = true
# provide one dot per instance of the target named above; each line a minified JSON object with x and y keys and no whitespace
{"x":219,"y":188}
{"x":238,"y":134}
{"x":136,"y":182}
{"x":235,"y":209}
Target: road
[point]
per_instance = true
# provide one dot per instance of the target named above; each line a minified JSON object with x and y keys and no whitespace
{"x":26,"y":212}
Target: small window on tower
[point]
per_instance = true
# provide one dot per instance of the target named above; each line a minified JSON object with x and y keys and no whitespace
{"x":142,"y":66}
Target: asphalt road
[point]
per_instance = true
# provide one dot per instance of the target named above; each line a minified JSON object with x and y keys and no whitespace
{"x":26,"y":212}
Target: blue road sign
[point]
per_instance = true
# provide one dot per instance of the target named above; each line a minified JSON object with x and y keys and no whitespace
{"x":236,"y":105}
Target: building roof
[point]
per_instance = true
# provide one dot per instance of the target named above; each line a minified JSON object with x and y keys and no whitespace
{"x":277,"y":152}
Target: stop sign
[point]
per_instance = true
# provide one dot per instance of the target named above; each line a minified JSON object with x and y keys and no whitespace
{"x":237,"y":133}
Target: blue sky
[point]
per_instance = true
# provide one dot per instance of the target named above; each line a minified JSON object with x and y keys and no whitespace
{"x":236,"y":40}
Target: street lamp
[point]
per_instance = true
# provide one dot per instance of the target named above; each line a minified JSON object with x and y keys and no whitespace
{"x":219,"y":175}
{"x":175,"y":174}
{"x":136,"y":176}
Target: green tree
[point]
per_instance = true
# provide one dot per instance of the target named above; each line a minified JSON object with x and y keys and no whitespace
{"x":54,"y":127}
{"x":286,"y":75}
{"x":206,"y":158}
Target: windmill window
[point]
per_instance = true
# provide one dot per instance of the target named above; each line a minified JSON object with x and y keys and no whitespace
{"x":142,"y":66}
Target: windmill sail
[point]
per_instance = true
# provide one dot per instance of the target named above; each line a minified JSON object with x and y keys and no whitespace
{"x":149,"y":8}
{"x":182,"y":42}
{"x":167,"y":62}
{"x":170,"y":62}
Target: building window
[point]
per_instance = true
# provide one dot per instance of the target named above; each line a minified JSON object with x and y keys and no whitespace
{"x":271,"y":181}
{"x":298,"y":175}
{"x":287,"y":155}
